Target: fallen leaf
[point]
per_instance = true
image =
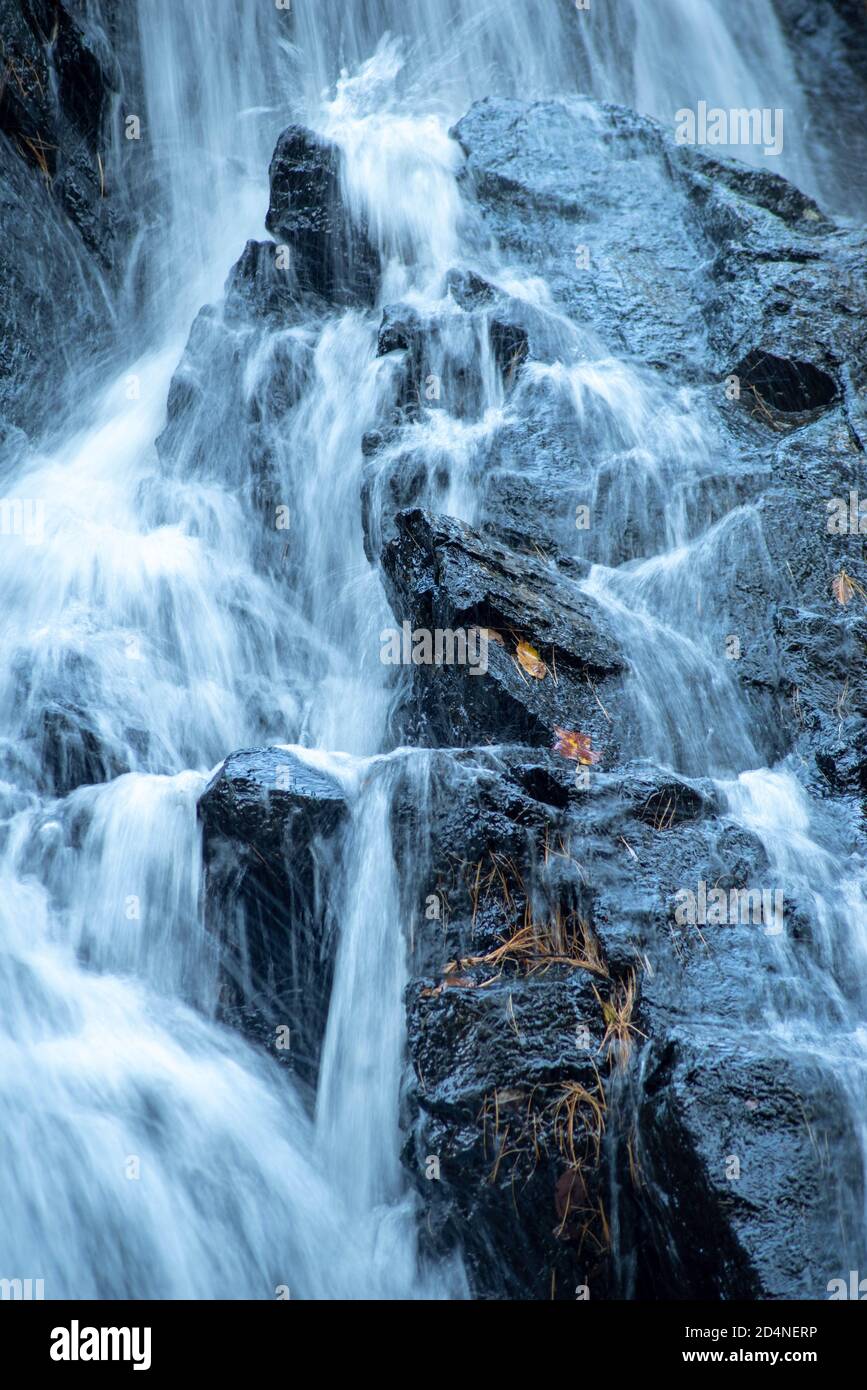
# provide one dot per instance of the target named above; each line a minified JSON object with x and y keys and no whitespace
{"x":531,"y":661}
{"x":570,"y":1193}
{"x":575,"y":746}
{"x":843,"y":588}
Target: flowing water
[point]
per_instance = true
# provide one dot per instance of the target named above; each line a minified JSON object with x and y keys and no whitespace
{"x":151,"y":1153}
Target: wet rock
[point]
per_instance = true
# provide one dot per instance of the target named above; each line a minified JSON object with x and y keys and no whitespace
{"x":512,"y":1117}
{"x":267,"y":817}
{"x":544,"y":913}
{"x":734,"y":1154}
{"x":65,"y":231}
{"x":468,"y":289}
{"x":645,"y":216}
{"x":783,"y":282}
{"x":263,"y":357}
{"x":75,"y":752}
{"x":446,"y":355}
{"x":556,"y":180}
{"x":779,"y":290}
{"x":505,"y":1019}
{"x":828,"y":44}
{"x":441,"y":575}
{"x":331,"y":253}
{"x":259,"y":288}
{"x":462,"y":361}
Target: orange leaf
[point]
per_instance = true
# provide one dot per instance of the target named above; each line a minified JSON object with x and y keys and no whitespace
{"x":531,"y":661}
{"x":843,"y":588}
{"x":575,"y":746}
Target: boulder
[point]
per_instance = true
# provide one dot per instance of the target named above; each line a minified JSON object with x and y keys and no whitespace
{"x":332,"y":255}
{"x":266,"y":817}
{"x":550,"y":977}
{"x":442,"y":575}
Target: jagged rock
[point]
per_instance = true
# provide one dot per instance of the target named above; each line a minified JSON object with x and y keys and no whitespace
{"x":497,"y":1069}
{"x":441,"y":575}
{"x":553,"y":177}
{"x":251,"y":408}
{"x":497,"y":1037}
{"x":257,"y":287}
{"x":828,"y":45}
{"x":331,"y":254}
{"x":445,"y":355}
{"x":497,"y":1043}
{"x":64,"y":230}
{"x":75,"y":752}
{"x":266,"y":816}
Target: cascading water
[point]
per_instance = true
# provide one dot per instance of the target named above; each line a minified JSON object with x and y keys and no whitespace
{"x":151,"y":634}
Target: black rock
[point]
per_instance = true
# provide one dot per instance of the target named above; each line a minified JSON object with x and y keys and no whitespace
{"x":441,"y":575}
{"x":732,"y":1152}
{"x":266,"y":817}
{"x":332,"y":255}
{"x":66,"y":223}
{"x":259,"y":289}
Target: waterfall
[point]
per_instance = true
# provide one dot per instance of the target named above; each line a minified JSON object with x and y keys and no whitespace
{"x":154,"y":1153}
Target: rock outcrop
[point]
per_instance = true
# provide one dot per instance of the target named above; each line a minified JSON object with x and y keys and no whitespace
{"x":66,"y":223}
{"x":267,"y":816}
{"x":594,"y":1097}
{"x":331,"y":254}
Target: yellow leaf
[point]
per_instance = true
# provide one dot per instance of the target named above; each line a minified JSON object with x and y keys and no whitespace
{"x":531,"y":661}
{"x":576,"y":746}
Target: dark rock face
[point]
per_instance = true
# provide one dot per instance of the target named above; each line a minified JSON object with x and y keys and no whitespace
{"x":550,"y":189}
{"x":441,"y":575}
{"x":65,"y":220}
{"x":755,"y":293}
{"x":433,"y":353}
{"x":273,"y":296}
{"x":594,"y":1096}
{"x":829,"y":48}
{"x":699,"y":1104}
{"x":505,"y":1020}
{"x":747,"y":1206}
{"x":259,"y":288}
{"x":795,"y":388}
{"x":331,"y":256}
{"x":59,"y":74}
{"x":267,"y":817}
{"x":551,"y":978}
